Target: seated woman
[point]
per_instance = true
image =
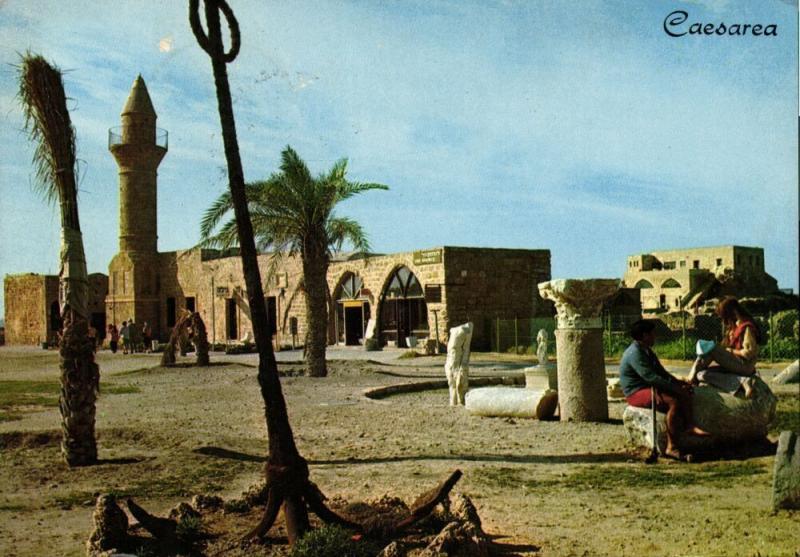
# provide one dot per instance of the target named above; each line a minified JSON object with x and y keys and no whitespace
{"x":735,"y":358}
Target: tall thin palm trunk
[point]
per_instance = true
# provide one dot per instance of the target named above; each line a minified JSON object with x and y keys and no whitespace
{"x":48,"y":122}
{"x":285,"y":466}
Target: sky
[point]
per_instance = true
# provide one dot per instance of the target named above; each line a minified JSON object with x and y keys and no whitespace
{"x":578,"y":127}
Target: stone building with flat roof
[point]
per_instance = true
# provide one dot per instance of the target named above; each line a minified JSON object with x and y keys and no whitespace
{"x":672,"y":280}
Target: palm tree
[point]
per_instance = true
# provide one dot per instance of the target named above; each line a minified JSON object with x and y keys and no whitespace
{"x":293,"y":214}
{"x":48,"y":123}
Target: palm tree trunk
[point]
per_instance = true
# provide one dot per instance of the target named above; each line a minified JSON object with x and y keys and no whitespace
{"x":48,"y":120}
{"x":285,"y":467}
{"x":315,"y":271}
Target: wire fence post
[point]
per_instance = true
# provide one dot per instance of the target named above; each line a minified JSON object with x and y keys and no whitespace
{"x":683,"y":331}
{"x":771,"y":339}
{"x":516,"y":335}
{"x":498,"y":334}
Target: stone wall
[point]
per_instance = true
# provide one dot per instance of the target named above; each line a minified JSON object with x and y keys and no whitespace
{"x":461,"y":283}
{"x":484,"y":284}
{"x":28,"y":302}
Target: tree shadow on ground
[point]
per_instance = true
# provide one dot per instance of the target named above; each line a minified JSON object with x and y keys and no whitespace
{"x":125,"y":460}
{"x":510,"y":549}
{"x":581,"y":458}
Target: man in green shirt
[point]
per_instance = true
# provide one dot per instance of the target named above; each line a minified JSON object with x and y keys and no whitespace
{"x":640,"y":369}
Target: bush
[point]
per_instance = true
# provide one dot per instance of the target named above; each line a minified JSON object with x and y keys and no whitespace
{"x":371,"y":345}
{"x":189,"y":529}
{"x":243,"y":348}
{"x":783,"y":324}
{"x":332,"y":541}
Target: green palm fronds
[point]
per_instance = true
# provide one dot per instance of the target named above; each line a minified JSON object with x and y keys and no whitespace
{"x":292,"y":210}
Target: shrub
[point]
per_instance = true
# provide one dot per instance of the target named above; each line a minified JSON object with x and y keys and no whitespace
{"x":189,"y":528}
{"x":371,"y":345}
{"x":331,"y":541}
{"x":783,"y":324}
{"x":408,"y":354}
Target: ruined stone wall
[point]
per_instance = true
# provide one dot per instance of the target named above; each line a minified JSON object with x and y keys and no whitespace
{"x":484,"y":284}
{"x":26,"y":309}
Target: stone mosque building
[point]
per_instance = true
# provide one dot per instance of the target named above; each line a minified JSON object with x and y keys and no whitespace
{"x":417,"y":294}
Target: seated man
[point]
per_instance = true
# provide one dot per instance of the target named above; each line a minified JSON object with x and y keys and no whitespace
{"x":640,"y":369}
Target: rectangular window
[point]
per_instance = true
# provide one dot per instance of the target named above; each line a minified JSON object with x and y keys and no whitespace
{"x":171,"y":312}
{"x":719,"y":262}
{"x":696,"y":264}
{"x":669,"y":264}
{"x":190,"y":304}
{"x":683,"y":264}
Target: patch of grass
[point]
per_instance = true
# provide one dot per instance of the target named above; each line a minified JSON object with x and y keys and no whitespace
{"x":9,"y":416}
{"x":787,"y":414}
{"x":119,"y":389}
{"x":14,"y":394}
{"x":189,"y":529}
{"x":74,"y":499}
{"x":409,"y":354}
{"x":607,"y":477}
{"x":12,"y":508}
{"x":331,"y":541}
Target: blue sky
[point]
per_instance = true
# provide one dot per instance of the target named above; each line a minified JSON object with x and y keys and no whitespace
{"x":581,"y":127}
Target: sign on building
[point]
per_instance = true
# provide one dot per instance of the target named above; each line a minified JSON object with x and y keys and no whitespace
{"x":428,"y":257}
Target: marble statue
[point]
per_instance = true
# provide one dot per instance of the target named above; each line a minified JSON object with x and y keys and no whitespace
{"x":456,"y":366}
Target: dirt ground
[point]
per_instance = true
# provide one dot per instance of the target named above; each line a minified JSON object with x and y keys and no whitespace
{"x":541,"y":488}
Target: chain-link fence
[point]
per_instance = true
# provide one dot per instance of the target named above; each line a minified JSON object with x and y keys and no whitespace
{"x":676,"y":334}
{"x":518,"y":336}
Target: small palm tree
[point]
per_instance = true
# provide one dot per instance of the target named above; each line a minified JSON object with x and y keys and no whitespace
{"x":48,"y":123}
{"x":293,"y":214}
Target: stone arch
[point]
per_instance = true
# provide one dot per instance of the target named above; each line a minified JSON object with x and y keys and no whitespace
{"x":403,"y":294}
{"x":643,"y":283}
{"x":670,"y":283}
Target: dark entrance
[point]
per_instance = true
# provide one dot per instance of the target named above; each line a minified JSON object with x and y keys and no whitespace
{"x":98,"y":321}
{"x":403,"y":310}
{"x":352,"y":311}
{"x":272,"y":314}
{"x":231,"y":319}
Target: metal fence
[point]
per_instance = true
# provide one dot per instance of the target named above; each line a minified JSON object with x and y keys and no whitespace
{"x":676,"y":334}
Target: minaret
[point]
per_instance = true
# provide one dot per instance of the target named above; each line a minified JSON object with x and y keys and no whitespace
{"x":138,"y":147}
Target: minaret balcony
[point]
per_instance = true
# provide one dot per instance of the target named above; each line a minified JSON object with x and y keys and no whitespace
{"x":122,"y":135}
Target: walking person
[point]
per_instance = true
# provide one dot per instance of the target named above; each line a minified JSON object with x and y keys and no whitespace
{"x":113,"y":337}
{"x":125,"y":336}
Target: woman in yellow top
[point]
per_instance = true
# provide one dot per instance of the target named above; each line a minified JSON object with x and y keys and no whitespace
{"x":735,"y":357}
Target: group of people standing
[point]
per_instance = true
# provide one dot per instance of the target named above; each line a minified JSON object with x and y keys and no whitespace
{"x":130,"y":338}
{"x":729,"y":366}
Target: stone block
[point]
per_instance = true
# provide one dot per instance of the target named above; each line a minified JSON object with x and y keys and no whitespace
{"x":512,"y":402}
{"x":729,"y":419}
{"x":790,"y":374}
{"x":786,"y":477}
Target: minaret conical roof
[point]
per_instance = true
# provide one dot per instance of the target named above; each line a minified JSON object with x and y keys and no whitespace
{"x":139,"y":99}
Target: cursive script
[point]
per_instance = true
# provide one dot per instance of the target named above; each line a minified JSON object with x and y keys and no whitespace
{"x":675,"y":25}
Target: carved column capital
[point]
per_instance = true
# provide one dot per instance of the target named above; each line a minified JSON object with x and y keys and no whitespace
{"x":579,"y":302}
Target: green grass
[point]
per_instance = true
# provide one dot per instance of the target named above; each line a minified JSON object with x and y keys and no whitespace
{"x":609,"y":477}
{"x":16,"y":394}
{"x":787,"y":414}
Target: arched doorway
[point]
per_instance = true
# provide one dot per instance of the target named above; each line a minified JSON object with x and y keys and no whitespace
{"x":403,"y":309}
{"x":352,"y":311}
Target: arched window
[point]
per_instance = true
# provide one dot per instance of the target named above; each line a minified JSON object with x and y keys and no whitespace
{"x":671,"y":283}
{"x":403,"y":309}
{"x":643,"y":284}
{"x":352,"y":311}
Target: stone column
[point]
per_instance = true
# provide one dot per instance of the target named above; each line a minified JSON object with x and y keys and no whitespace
{"x":579,"y":346}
